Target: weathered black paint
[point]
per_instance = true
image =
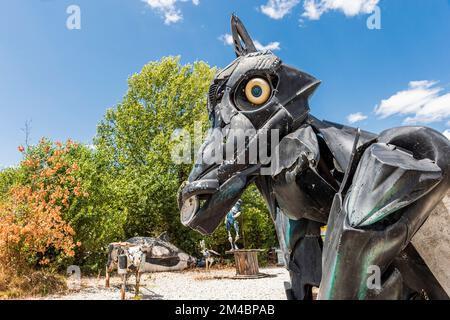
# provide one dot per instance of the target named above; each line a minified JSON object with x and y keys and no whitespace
{"x":373,"y":191}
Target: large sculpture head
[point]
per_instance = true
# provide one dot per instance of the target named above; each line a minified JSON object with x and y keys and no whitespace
{"x":247,"y":100}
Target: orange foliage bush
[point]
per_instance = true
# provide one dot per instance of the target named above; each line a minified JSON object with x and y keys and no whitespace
{"x":32,"y":228}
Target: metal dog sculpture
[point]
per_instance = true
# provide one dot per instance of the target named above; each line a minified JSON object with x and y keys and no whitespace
{"x":375,"y":192}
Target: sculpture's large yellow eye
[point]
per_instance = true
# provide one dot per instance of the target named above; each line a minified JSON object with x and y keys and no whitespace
{"x":257,"y":91}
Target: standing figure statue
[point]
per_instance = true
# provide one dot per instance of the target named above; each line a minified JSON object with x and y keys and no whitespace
{"x":380,"y":195}
{"x":231,"y":221}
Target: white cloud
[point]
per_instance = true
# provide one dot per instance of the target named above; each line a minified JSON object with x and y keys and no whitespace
{"x":423,"y":102}
{"x":272,"y":46}
{"x":356,"y":117}
{"x":435,"y":111}
{"x":277,"y":9}
{"x":447,"y":133}
{"x":314,"y":9}
{"x":408,"y":101}
{"x":168,"y":9}
{"x":312,"y":12}
{"x":227,"y":39}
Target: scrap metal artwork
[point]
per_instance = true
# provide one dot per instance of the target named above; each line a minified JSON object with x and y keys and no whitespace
{"x":208,"y":255}
{"x":144,"y":255}
{"x":231,"y":222}
{"x":380,"y":195}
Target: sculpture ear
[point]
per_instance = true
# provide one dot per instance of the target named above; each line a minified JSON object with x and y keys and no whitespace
{"x":243,"y":44}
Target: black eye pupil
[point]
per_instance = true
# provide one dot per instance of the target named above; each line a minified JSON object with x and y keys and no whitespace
{"x":257,"y":91}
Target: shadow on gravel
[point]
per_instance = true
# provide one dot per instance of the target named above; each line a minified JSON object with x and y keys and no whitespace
{"x":207,"y":277}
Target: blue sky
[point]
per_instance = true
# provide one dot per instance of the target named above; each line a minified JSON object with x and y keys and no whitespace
{"x":63,"y":80}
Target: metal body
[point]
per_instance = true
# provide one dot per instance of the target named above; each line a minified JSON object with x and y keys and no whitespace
{"x":232,"y":222}
{"x":374,"y":192}
{"x":208,"y":255}
{"x":144,"y":255}
{"x":149,"y":255}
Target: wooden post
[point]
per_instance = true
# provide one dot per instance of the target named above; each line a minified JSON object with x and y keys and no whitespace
{"x":123,"y":287}
{"x":247,"y":266}
{"x":138,"y":282}
{"x":246,"y":263}
{"x":107,"y":277}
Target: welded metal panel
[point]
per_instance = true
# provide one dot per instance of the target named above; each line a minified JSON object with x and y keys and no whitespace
{"x":388,"y":180}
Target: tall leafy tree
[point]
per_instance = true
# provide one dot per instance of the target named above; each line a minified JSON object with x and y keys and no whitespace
{"x":136,"y":136}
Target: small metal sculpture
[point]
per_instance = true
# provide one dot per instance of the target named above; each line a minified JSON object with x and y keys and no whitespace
{"x":208,"y":254}
{"x":143,"y":255}
{"x":232,"y":222}
{"x":128,"y":259}
{"x":375,"y":192}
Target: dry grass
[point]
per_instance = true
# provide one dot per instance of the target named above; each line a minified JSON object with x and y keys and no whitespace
{"x":35,"y":283}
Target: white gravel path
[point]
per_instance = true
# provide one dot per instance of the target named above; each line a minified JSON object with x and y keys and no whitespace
{"x":196,"y":284}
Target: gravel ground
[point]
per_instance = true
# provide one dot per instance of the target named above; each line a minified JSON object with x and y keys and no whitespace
{"x":197,"y":284}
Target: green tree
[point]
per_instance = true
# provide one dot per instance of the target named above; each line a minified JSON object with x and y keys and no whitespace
{"x":96,"y":218}
{"x":8,"y":177}
{"x":99,"y":218}
{"x":135,"y":136}
{"x":128,"y":178}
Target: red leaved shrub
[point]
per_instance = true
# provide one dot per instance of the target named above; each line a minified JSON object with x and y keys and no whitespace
{"x":32,"y":229}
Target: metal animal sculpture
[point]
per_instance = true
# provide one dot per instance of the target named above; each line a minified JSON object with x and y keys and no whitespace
{"x":208,"y":254}
{"x":231,"y":222}
{"x":144,"y":255}
{"x":375,"y":192}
